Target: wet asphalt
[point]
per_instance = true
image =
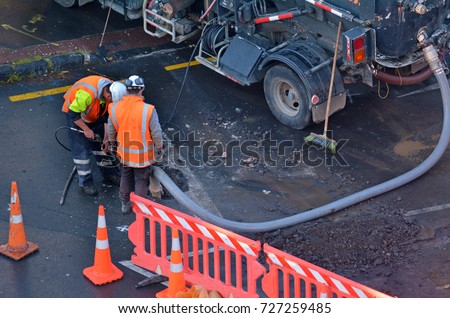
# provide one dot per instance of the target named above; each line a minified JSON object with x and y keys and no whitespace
{"x":386,"y":137}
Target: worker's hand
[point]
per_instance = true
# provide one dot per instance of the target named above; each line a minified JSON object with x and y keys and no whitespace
{"x":112,"y":147}
{"x":89,"y":133}
{"x":160,"y":152}
{"x":112,"y":150}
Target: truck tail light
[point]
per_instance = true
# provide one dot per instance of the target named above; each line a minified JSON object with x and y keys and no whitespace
{"x":359,"y":50}
{"x":358,"y":45}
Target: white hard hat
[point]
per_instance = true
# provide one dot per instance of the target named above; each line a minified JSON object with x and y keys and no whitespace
{"x":118,"y":90}
{"x":134,"y":82}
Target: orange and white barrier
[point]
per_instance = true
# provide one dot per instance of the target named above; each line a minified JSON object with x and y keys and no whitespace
{"x":220,"y":260}
{"x":213,"y":257}
{"x":17,"y":247}
{"x":291,"y":277}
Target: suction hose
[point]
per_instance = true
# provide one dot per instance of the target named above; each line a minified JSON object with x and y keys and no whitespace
{"x":406,"y":80}
{"x":436,"y":66}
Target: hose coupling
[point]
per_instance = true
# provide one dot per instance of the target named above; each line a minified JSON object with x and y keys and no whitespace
{"x":432,"y":57}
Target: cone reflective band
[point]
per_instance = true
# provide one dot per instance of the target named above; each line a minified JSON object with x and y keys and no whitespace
{"x":176,"y":265}
{"x":177,"y":282}
{"x":16,"y":219}
{"x":103,"y":271}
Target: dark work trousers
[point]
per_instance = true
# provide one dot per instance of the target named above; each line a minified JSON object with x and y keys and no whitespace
{"x":134,"y":178}
{"x":82,"y":148}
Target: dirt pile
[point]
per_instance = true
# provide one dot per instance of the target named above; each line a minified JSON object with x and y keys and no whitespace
{"x":351,"y":246}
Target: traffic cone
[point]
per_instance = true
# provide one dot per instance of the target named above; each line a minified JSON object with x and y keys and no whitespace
{"x":17,"y":247}
{"x":103,"y":271}
{"x":176,"y":275}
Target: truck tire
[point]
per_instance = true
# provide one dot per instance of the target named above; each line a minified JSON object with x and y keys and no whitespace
{"x":287,"y":97}
{"x":66,"y":3}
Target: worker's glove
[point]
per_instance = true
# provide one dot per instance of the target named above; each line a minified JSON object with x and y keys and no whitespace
{"x":160,"y":153}
{"x":112,"y":147}
{"x":97,"y":138}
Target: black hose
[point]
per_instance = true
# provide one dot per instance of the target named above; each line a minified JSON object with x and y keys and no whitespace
{"x":97,"y":137}
{"x":182,"y":84}
{"x":59,"y":141}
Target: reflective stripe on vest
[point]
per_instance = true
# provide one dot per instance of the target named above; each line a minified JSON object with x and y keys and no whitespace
{"x":143,"y":156}
{"x":144,"y":128}
{"x":113,"y":116}
{"x":95,"y":104}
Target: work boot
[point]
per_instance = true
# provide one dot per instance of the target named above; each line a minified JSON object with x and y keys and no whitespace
{"x":90,"y":189}
{"x":126,"y":207}
{"x":157,"y":194}
{"x":111,"y":180}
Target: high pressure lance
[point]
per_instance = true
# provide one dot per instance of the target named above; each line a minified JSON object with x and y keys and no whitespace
{"x":431,"y":55}
{"x":97,"y":138}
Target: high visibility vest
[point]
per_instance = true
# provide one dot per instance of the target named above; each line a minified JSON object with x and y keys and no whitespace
{"x":94,"y":86}
{"x":131,"y":119}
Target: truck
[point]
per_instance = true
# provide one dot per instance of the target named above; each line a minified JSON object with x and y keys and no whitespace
{"x":291,"y":45}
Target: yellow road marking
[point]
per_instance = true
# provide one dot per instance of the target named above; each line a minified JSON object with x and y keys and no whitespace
{"x":184,"y":65}
{"x":59,"y":90}
{"x":47,"y":92}
{"x":8,"y":27}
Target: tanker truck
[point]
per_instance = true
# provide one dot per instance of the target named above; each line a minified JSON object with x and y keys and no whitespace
{"x":289,"y":45}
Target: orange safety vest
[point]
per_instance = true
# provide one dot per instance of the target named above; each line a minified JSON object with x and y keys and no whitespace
{"x":94,"y":86}
{"x":131,"y":119}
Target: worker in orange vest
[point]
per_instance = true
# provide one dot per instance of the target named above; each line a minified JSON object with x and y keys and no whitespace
{"x":86,"y":105}
{"x":135,"y":131}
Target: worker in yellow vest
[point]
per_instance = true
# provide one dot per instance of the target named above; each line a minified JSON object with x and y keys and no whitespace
{"x":135,"y":131}
{"x":86,"y":105}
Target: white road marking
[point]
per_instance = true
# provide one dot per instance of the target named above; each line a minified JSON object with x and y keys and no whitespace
{"x":140,"y":270}
{"x":428,"y":210}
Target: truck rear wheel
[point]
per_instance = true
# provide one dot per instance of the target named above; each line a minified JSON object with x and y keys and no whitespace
{"x":67,"y":3}
{"x":287,"y":98}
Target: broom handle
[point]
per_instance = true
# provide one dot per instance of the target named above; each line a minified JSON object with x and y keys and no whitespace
{"x":333,"y":69}
{"x":106,"y":23}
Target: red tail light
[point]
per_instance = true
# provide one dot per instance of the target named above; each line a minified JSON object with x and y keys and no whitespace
{"x":358,"y":44}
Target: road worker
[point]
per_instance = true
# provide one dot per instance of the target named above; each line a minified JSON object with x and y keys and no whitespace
{"x":118,"y":90}
{"x":135,"y":131}
{"x":86,"y":105}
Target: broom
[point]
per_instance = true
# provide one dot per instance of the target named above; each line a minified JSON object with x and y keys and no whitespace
{"x":322,"y":140}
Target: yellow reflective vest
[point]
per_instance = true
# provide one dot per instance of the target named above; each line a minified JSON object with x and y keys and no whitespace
{"x":85,"y":97}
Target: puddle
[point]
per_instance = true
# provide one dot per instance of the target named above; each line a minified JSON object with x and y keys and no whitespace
{"x":409,"y":148}
{"x":287,"y":196}
{"x":442,"y":232}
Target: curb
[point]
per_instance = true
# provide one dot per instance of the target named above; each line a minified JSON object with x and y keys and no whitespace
{"x":13,"y":71}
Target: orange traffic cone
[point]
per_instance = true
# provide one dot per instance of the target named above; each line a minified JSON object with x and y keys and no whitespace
{"x":17,"y":247}
{"x":176,"y":275}
{"x":103,"y":271}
